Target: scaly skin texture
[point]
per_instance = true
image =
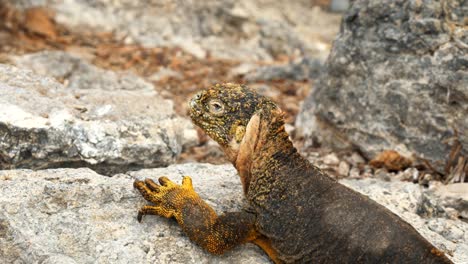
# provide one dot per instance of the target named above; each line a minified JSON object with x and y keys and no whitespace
{"x":197,"y":219}
{"x":300,"y":215}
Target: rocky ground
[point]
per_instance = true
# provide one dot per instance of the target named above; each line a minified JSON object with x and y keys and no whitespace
{"x":79,"y":216}
{"x":92,"y":98}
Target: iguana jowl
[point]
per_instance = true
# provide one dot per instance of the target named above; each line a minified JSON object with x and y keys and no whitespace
{"x":299,"y":214}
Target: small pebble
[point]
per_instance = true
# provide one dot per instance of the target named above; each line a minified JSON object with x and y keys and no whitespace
{"x":410,"y":174}
{"x":382,"y":174}
{"x":356,"y":159}
{"x":331,"y":159}
{"x":354,"y":173}
{"x":343,"y":168}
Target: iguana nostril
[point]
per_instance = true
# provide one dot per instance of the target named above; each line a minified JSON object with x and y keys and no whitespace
{"x":193,"y":103}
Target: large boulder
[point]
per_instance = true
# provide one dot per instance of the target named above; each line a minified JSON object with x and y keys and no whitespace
{"x":396,"y":78}
{"x":100,"y":119}
{"x":79,"y":216}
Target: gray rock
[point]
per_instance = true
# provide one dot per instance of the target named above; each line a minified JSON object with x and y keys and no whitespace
{"x":396,"y":79}
{"x":164,"y":73}
{"x":273,"y":36}
{"x":100,"y":119}
{"x":78,"y":74}
{"x":79,"y":216}
{"x":429,"y":207}
{"x":343,"y":168}
{"x":354,"y":173}
{"x":331,"y":159}
{"x":303,"y":69}
{"x":454,"y":196}
{"x":339,"y":5}
{"x":246,"y":30}
{"x":410,"y":174}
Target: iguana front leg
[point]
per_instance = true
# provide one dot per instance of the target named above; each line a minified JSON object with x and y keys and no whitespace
{"x":214,"y":233}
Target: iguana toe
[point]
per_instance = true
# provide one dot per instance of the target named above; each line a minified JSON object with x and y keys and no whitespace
{"x":150,"y":191}
{"x":152,"y":185}
{"x":187,"y":182}
{"x":154,"y":210}
{"x":164,"y":181}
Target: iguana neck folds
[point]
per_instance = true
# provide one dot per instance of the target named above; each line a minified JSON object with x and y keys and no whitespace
{"x":245,"y":150}
{"x":262,"y":137}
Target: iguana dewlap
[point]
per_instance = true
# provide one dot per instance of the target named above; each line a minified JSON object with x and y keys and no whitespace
{"x":299,"y":214}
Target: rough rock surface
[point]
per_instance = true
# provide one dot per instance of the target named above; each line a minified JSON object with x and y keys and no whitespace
{"x":78,"y":216}
{"x":245,"y":29}
{"x":454,"y":196}
{"x":396,"y":78}
{"x":110,"y":121}
{"x":303,"y":69}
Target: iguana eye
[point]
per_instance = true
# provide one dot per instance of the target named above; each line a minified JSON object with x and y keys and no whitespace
{"x":216,"y":107}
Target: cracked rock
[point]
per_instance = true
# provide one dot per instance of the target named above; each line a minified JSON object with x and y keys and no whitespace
{"x":396,"y":78}
{"x":79,"y":216}
{"x":100,"y":119}
{"x":303,"y":69}
{"x":454,"y":196}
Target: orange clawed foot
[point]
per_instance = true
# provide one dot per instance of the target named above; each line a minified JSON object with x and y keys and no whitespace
{"x":167,"y":196}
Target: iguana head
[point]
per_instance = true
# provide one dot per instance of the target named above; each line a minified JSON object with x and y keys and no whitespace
{"x":224,"y":110}
{"x":241,"y":121}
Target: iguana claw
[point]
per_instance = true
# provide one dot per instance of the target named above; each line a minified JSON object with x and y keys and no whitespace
{"x":167,"y":196}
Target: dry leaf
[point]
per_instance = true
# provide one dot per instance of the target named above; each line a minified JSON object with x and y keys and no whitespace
{"x":391,"y":160}
{"x":39,"y":22}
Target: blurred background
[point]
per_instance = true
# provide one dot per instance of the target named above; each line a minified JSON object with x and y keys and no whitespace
{"x":391,"y":95}
{"x":179,"y":47}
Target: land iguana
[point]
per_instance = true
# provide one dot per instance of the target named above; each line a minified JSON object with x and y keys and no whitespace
{"x":298,"y":213}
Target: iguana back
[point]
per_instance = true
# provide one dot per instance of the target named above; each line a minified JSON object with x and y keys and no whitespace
{"x":310,"y":218}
